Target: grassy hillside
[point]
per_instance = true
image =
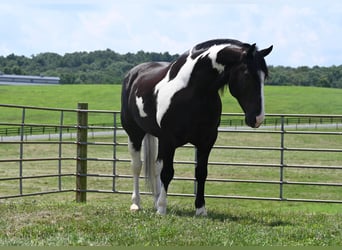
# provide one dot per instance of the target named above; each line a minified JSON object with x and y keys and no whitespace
{"x":63,"y":96}
{"x":279,"y":99}
{"x":303,"y":100}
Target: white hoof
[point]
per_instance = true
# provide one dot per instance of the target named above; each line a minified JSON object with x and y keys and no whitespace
{"x":201,"y":211}
{"x":161,"y":210}
{"x":134,"y":208}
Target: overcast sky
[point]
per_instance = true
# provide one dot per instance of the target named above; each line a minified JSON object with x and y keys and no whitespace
{"x":303,"y":32}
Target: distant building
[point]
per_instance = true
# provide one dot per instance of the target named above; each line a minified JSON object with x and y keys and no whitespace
{"x":27,"y":80}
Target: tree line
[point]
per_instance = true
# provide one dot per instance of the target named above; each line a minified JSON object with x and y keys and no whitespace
{"x":107,"y":66}
{"x":97,"y":67}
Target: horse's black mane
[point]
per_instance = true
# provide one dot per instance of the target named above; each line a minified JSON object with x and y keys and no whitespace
{"x":210,"y":43}
{"x":257,"y":62}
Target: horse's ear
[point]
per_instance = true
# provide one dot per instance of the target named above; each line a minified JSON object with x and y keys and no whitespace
{"x":265,"y":52}
{"x":251,"y":51}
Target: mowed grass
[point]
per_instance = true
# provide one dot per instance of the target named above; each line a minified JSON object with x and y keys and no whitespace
{"x":56,"y":223}
{"x":105,"y":220}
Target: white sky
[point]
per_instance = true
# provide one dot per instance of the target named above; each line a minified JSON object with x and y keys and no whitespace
{"x":303,"y":32}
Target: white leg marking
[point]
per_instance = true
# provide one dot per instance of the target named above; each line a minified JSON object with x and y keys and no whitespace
{"x":136,"y":165}
{"x":162,"y":202}
{"x":260,"y":118}
{"x":201,"y":211}
{"x":140,"y":105}
{"x":159,"y":167}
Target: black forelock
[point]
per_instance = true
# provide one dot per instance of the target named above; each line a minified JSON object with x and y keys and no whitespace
{"x":257,"y":63}
{"x":261,"y":64}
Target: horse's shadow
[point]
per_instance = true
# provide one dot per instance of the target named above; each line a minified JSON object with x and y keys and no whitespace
{"x":271,"y":221}
{"x":212,"y":215}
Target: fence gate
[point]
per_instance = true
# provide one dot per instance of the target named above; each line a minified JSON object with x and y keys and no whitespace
{"x":290,"y":158}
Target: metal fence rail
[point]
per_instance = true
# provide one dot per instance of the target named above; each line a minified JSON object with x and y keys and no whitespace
{"x":83,"y":158}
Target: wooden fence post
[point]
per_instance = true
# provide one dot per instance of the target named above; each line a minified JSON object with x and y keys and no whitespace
{"x":81,"y":159}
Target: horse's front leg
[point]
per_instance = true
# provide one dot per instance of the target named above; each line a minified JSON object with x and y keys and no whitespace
{"x":165,"y":162}
{"x":201,"y":173}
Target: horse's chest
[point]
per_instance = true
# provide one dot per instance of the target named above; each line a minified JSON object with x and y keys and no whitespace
{"x":188,"y":113}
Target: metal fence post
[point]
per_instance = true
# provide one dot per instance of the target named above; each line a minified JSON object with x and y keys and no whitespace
{"x":60,"y":148}
{"x":81,"y":159}
{"x":114,"y":151}
{"x":21,"y":150}
{"x":282,"y":164}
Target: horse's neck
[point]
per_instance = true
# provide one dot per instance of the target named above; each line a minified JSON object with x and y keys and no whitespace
{"x":211,"y":85}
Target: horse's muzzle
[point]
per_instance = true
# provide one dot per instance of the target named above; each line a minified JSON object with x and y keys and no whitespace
{"x":254,"y":121}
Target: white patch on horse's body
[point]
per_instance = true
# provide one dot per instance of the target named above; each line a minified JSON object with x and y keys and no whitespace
{"x":260,"y":118}
{"x":212,"y":54}
{"x":140,"y":106}
{"x":166,"y":89}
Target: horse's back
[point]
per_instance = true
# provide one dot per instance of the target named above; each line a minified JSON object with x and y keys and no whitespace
{"x":141,"y":80}
{"x":146,"y":74}
{"x":139,"y":85}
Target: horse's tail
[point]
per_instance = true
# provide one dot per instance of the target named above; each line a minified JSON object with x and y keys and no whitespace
{"x":150,"y":156}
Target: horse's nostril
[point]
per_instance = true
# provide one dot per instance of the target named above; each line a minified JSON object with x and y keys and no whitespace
{"x":250,"y":122}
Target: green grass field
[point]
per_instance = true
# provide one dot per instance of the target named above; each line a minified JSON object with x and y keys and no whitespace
{"x":290,"y":100}
{"x":43,"y":223}
{"x":279,"y":100}
{"x":105,"y":219}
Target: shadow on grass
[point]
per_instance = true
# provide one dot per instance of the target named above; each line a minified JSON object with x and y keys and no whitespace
{"x":265,"y":218}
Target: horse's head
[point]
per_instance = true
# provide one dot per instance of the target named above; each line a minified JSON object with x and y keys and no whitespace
{"x":246,"y":80}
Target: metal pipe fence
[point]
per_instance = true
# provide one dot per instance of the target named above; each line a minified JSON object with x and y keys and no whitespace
{"x":292,"y":157}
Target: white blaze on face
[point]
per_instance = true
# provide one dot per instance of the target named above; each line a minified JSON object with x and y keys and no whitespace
{"x":261,"y":116}
{"x":166,"y":89}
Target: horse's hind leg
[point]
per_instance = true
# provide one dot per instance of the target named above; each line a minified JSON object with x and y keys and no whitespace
{"x":136,"y":164}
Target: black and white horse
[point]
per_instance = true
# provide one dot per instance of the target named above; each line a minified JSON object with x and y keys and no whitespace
{"x":171,"y":104}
